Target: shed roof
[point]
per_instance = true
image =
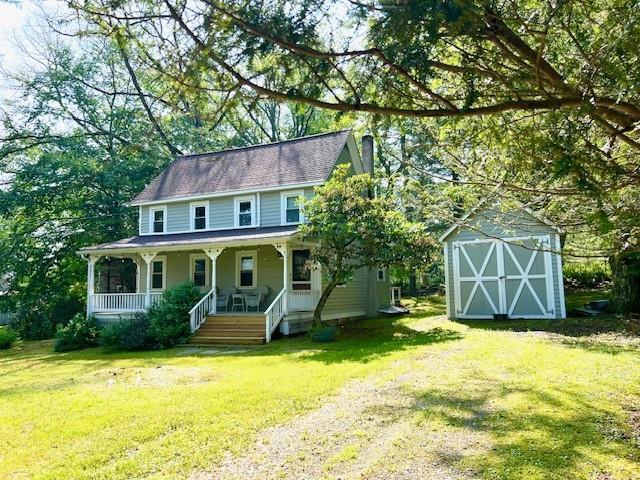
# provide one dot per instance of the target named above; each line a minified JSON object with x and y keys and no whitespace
{"x":483,"y":208}
{"x":290,"y":162}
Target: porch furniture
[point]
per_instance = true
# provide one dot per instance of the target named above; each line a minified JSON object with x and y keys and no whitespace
{"x":238,"y":300}
{"x":253,"y":301}
{"x":263,"y":291}
{"x":222,"y":300}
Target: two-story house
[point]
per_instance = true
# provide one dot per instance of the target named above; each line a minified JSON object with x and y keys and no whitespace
{"x":228,"y":222}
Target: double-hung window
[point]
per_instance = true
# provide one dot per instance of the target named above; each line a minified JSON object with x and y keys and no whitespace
{"x":245,"y":211}
{"x":290,"y":208}
{"x":246,"y":269}
{"x":199,"y":216}
{"x":158,"y":219}
{"x":199,"y":270}
{"x":382,"y":274}
{"x":158,"y":273}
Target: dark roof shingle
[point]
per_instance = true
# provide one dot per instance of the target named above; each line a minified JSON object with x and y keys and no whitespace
{"x":301,"y":160}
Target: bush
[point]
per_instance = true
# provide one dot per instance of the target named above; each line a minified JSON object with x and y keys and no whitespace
{"x":7,"y":337}
{"x":128,"y":334}
{"x":81,"y":332}
{"x":169,"y":318}
{"x":587,"y":274}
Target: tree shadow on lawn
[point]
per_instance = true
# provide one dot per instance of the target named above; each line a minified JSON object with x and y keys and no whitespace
{"x":605,"y":333}
{"x":362,"y":341}
{"x":547,"y":434}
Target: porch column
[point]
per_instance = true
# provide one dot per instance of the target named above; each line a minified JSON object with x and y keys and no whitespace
{"x":138,"y":263}
{"x":91,"y":268}
{"x":148,"y":258}
{"x":283,"y":249}
{"x":213,"y":254}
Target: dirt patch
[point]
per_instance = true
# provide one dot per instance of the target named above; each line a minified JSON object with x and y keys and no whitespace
{"x":369,"y":430}
{"x":158,"y":376}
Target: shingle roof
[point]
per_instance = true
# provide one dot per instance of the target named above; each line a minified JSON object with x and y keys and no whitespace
{"x":194,"y":239}
{"x":301,"y":160}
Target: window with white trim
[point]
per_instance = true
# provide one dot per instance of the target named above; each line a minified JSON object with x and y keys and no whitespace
{"x":199,"y":271}
{"x":245,"y":211}
{"x":246,"y":269}
{"x":199,"y":215}
{"x":158,"y":273}
{"x":291,"y":213}
{"x":382,"y":274}
{"x":157,"y":219}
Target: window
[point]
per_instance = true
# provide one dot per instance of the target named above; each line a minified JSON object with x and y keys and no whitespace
{"x":158,"y":274}
{"x":290,"y":207}
{"x":245,"y":215}
{"x":246,"y":269}
{"x":157,"y":218}
{"x":300,"y":270}
{"x":199,"y":270}
{"x":200,"y":216}
{"x":382,"y":275}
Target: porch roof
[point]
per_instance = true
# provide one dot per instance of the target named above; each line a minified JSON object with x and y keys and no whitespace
{"x":178,"y":241}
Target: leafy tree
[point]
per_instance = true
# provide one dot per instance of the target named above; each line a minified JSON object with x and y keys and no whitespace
{"x":352,"y":230}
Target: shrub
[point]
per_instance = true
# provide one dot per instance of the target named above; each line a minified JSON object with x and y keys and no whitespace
{"x":587,"y":274}
{"x":81,"y":332}
{"x":7,"y":337}
{"x":128,"y":334}
{"x":169,"y":318}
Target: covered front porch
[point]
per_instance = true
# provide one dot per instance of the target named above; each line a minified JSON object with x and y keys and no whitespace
{"x":267,"y":279}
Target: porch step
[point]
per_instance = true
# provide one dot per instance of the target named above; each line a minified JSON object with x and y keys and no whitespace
{"x":231,"y":330}
{"x":225,"y":340}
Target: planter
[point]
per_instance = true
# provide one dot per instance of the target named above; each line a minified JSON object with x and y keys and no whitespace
{"x":323,"y":335}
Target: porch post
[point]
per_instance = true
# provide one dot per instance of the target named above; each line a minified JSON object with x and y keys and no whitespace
{"x":213,"y":254}
{"x":148,"y":258}
{"x":283,"y":248}
{"x":91,"y":264}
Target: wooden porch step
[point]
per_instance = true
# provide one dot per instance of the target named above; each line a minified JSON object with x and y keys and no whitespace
{"x":217,"y":327}
{"x":226,"y":340}
{"x":229,"y":332}
{"x":232,"y":319}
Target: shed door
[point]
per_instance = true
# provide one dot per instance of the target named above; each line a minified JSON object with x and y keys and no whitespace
{"x":511,"y":276}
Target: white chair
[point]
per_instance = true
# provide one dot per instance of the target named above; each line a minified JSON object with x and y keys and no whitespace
{"x":238,"y":300}
{"x":222,"y":300}
{"x":253,"y":301}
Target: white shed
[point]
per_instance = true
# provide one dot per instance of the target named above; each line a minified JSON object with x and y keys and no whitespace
{"x":499,"y":263}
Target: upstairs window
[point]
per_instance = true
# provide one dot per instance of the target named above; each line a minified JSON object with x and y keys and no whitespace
{"x":382,"y":275}
{"x":245,"y":211}
{"x":199,"y":216}
{"x":290,"y":207}
{"x":157,"y":218}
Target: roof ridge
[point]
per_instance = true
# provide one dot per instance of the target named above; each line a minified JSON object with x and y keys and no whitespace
{"x":258,"y":145}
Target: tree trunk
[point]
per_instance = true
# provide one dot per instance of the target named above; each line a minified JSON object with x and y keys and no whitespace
{"x":317,"y":314}
{"x":625,"y":288}
{"x":413,"y":289}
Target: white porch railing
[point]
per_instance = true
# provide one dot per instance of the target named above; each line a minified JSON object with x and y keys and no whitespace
{"x":198,"y":313}
{"x":303,"y":300}
{"x":274,"y":313}
{"x":122,"y":302}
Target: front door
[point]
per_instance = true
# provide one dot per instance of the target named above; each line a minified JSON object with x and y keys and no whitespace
{"x":304,"y":289}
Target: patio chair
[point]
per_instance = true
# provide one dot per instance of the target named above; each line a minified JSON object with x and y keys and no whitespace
{"x":222,"y":299}
{"x":253,"y":300}
{"x":263,"y":291}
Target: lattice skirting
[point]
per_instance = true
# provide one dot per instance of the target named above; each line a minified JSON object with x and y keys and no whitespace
{"x":289,"y":327}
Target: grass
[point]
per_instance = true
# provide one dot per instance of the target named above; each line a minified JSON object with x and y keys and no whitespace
{"x":554,"y":405}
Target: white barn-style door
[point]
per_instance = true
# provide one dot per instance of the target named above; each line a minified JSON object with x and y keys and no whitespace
{"x":510,"y":276}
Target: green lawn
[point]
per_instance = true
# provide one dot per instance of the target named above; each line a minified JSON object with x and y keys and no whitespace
{"x":551,"y":405}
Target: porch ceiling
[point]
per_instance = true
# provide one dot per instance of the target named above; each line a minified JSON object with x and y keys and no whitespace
{"x":177,"y":241}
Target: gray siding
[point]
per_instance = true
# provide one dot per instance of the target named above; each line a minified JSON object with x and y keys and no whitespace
{"x":221,"y":212}
{"x":177,"y":217}
{"x":144,"y":220}
{"x":350,"y":299}
{"x":270,"y":209}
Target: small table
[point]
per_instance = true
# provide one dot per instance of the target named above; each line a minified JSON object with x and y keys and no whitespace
{"x":238,"y":300}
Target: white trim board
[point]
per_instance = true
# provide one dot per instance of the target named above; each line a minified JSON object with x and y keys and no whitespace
{"x":228,"y":193}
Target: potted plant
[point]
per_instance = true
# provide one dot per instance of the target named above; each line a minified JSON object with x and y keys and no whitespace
{"x":323,"y":333}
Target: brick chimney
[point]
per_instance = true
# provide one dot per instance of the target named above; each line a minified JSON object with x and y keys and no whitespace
{"x":367,"y":154}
